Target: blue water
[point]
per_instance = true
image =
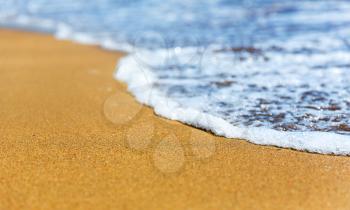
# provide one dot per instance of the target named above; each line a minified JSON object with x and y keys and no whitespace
{"x":181,"y":23}
{"x":272,"y":72}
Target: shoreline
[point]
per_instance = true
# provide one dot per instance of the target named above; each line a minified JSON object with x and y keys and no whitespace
{"x":332,"y":143}
{"x":63,"y":146}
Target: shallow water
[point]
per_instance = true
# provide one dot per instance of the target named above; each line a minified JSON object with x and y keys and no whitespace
{"x":246,"y":69}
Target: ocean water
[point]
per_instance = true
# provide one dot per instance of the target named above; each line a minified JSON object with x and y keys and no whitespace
{"x":268,"y":71}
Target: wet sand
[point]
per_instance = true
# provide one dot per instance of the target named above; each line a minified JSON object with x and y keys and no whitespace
{"x":71,"y":137}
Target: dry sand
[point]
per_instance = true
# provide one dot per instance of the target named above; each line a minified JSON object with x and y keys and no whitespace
{"x":63,"y":145}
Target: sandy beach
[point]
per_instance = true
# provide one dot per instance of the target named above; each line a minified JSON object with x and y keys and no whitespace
{"x":73,"y":138}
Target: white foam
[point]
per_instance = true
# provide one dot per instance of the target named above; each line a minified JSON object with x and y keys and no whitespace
{"x":318,"y":142}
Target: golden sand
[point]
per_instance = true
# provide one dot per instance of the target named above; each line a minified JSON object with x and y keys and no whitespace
{"x":71,"y":137}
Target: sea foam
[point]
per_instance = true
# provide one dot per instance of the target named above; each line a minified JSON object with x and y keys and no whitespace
{"x":141,"y":82}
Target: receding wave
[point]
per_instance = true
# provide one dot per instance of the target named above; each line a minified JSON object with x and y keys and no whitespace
{"x":270,"y":72}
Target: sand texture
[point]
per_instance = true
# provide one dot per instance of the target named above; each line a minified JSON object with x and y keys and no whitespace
{"x":71,"y":137}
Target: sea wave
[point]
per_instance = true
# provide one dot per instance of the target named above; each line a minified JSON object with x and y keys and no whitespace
{"x":270,"y":72}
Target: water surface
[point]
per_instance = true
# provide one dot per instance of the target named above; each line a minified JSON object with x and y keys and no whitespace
{"x":272,"y":72}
